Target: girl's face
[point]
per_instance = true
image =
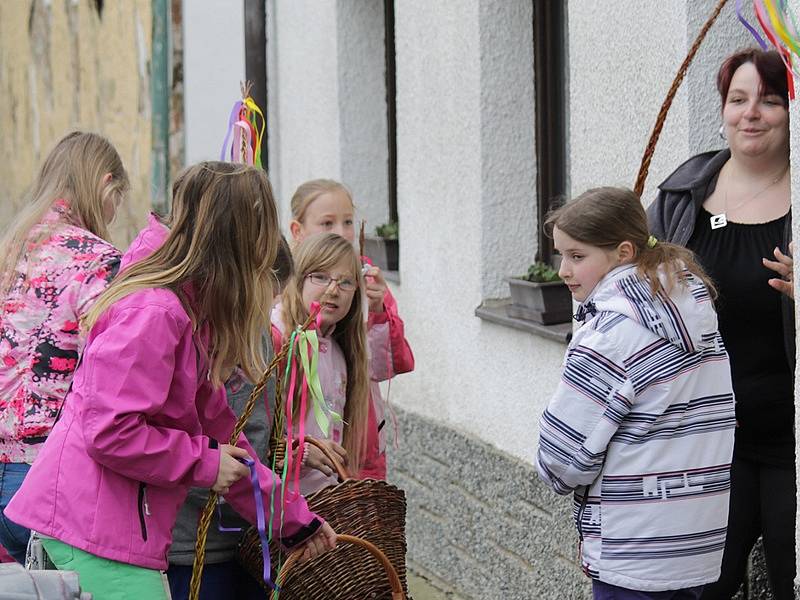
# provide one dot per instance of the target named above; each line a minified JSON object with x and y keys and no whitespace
{"x":338,"y":286}
{"x":331,"y":212}
{"x":755,"y":125}
{"x":582,"y":265}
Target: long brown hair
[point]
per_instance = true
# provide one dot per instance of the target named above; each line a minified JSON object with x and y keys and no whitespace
{"x":321,"y":253}
{"x":223,"y":241}
{"x":75,"y":170}
{"x":607,"y":216}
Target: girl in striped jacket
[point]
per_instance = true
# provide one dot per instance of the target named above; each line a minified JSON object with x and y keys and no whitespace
{"x":641,"y":425}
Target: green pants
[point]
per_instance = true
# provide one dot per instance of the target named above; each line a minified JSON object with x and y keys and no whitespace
{"x":107,"y":579}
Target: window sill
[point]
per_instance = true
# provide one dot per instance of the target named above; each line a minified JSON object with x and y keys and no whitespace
{"x":494,"y":311}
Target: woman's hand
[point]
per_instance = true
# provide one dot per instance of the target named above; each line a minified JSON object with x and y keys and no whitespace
{"x":375,"y":289}
{"x":323,"y":540}
{"x":783,"y":266}
{"x":230,"y":469}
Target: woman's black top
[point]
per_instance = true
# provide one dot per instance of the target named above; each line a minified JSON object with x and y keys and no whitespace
{"x":752,"y":328}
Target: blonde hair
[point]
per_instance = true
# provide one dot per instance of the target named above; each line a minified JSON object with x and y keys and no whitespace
{"x":223,"y":240}
{"x":74,"y":170}
{"x":607,"y":216}
{"x":310,"y":191}
{"x":321,"y":253}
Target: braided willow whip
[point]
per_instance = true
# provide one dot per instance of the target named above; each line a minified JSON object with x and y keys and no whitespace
{"x":208,"y":510}
{"x":662,"y":114}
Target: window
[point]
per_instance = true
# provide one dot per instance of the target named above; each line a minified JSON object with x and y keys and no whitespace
{"x":550,"y":82}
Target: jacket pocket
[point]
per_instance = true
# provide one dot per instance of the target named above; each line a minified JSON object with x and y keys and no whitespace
{"x":144,"y":509}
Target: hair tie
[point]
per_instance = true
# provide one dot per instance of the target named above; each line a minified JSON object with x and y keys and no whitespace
{"x":652,"y":241}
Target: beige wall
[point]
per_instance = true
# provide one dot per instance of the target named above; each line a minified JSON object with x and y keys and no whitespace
{"x":63,"y":67}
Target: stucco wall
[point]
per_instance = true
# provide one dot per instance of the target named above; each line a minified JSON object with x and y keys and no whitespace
{"x":466,"y":178}
{"x":65,"y":67}
{"x":622,"y":59}
{"x":364,"y":152}
{"x":303,"y":92}
{"x":213,"y":43}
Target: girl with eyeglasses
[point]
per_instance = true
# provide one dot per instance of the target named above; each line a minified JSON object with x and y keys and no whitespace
{"x":328,"y":271}
{"x":326,"y":206}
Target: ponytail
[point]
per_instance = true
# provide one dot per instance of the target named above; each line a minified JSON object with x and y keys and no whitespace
{"x":669,"y":261}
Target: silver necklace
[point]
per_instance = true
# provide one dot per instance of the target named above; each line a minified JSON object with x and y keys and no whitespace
{"x":721,"y":220}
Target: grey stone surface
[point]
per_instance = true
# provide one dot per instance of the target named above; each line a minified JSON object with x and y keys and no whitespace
{"x":480,"y":520}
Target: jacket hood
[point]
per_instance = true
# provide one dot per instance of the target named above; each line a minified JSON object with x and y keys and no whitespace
{"x":686,"y":317}
{"x":148,"y":241}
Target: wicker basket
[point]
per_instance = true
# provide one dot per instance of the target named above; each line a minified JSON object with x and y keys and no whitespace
{"x":370,"y":510}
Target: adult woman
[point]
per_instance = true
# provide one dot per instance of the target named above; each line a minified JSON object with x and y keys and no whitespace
{"x":733,"y":209}
{"x":55,"y":259}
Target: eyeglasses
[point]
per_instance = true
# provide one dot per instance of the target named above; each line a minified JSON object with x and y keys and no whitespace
{"x":324,"y":280}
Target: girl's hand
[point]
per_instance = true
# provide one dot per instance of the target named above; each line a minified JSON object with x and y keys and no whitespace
{"x":375,"y":289}
{"x":323,"y":540}
{"x":317,"y":460}
{"x":230,"y":469}
{"x":783,"y":266}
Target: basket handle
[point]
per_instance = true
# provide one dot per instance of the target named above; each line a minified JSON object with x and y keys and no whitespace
{"x":391,"y":573}
{"x":340,"y":471}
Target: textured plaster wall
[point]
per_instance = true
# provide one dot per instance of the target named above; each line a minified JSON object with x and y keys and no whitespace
{"x":364,"y":152}
{"x":622,"y":58}
{"x":64,"y":67}
{"x":303,"y":92}
{"x":213,"y":43}
{"x":466,"y":204}
{"x":327,"y":100}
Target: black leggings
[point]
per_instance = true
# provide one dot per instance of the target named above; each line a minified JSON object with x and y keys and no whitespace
{"x":762,"y":503}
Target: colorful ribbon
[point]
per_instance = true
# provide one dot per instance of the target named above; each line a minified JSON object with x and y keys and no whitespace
{"x":778,"y":23}
{"x":246,"y":124}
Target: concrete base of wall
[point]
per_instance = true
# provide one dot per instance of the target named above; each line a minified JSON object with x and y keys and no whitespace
{"x":479,"y":520}
{"x":481,"y":525}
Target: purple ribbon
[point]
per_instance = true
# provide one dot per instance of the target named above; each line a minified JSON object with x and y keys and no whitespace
{"x":749,"y":27}
{"x":260,"y":521}
{"x":231,"y":120}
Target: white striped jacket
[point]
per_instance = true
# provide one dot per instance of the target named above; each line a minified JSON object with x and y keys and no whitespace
{"x":641,"y":430}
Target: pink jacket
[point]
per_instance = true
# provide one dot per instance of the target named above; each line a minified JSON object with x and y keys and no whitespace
{"x":390,"y":355}
{"x":139,"y":427}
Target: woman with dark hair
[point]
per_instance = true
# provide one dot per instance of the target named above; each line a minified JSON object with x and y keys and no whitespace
{"x":732,"y":208}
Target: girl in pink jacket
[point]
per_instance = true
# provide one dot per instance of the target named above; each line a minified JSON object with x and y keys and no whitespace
{"x":323,"y":205}
{"x":147,"y":416}
{"x":55,"y":259}
{"x":327,"y":270}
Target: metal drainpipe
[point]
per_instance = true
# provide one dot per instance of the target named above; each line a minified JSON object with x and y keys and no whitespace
{"x":159,"y":96}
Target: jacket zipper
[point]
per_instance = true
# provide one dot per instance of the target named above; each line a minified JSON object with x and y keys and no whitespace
{"x":144,"y":509}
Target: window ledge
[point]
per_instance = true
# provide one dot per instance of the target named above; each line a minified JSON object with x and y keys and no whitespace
{"x":494,"y":311}
{"x":393,"y":276}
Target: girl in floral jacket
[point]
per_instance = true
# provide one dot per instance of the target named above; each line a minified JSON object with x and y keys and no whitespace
{"x":55,"y":259}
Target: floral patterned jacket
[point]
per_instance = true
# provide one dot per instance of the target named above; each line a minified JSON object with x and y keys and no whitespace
{"x":55,"y":283}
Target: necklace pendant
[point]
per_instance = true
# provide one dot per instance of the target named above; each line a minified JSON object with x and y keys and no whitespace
{"x":718,"y":221}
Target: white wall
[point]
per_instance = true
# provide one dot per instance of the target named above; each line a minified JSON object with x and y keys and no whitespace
{"x":327,"y":100}
{"x":622,"y":59}
{"x":466,"y":185}
{"x":213,"y":63}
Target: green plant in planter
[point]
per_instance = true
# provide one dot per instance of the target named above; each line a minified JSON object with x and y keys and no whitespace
{"x":388,"y":231}
{"x":540,"y":272}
